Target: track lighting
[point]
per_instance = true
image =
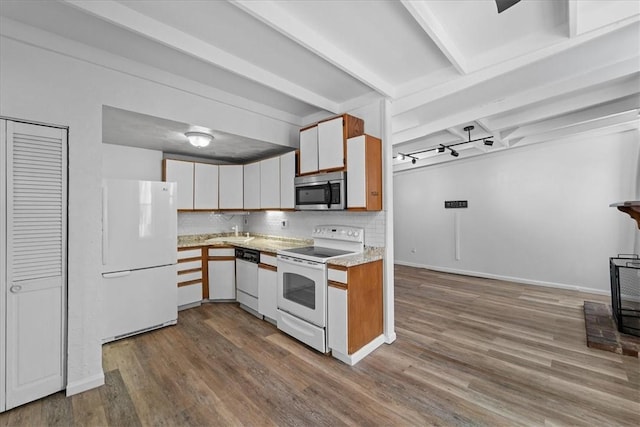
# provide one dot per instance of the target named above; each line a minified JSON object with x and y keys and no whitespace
{"x":487,"y":140}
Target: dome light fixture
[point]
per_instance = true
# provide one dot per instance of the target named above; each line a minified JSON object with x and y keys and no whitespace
{"x":199,"y":139}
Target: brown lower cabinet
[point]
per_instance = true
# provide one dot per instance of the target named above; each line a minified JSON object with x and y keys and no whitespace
{"x":355,"y":309}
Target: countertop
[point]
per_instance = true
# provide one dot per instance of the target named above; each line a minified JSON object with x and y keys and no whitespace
{"x":266,"y":243}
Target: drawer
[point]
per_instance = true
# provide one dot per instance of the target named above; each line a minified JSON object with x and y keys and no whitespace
{"x":190,"y":253}
{"x":222,"y":252}
{"x":266,"y":258}
{"x":189,"y":294}
{"x":339,"y":276}
{"x":189,"y":265}
{"x":248,"y":300}
{"x":196,"y":275}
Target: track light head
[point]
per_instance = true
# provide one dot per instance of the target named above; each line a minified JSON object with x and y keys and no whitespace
{"x":413,"y":161}
{"x":454,"y":153}
{"x":441,"y":149}
{"x":488,"y":142}
{"x":400,"y":156}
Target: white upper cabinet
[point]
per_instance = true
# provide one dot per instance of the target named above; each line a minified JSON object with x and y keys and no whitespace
{"x":287,"y":175}
{"x":205,"y":195}
{"x":323,"y":146}
{"x":331,"y":144}
{"x":182,"y":173}
{"x":364,"y":166}
{"x":309,"y":150}
{"x":231,"y":187}
{"x":252,"y":186}
{"x":270,"y":183}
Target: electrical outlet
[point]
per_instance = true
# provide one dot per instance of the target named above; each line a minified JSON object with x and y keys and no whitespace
{"x":284,"y":223}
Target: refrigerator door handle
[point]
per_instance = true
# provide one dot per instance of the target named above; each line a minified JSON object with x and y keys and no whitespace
{"x":105,"y":227}
{"x":116,"y":274}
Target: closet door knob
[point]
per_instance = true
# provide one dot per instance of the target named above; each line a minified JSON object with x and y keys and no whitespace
{"x":15,"y":289}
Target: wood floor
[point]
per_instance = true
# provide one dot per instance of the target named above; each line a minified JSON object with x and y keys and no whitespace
{"x":469,"y":351}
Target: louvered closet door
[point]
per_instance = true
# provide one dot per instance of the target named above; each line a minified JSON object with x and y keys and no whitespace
{"x":36,"y":261}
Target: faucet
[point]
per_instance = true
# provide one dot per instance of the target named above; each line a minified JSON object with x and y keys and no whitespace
{"x":235,"y":229}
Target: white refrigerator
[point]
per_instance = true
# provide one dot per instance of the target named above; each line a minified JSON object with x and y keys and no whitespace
{"x":139,"y":256}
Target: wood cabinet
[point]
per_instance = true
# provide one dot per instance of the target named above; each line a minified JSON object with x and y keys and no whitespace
{"x":251,"y":184}
{"x":231,"y":185}
{"x":267,"y":286}
{"x":355,"y":309}
{"x":189,"y":277}
{"x":323,"y":146}
{"x":308,"y":150}
{"x":197,"y":183}
{"x":270,"y":183}
{"x":287,"y":176}
{"x":221,"y":274}
{"x":180,"y":172}
{"x":364,"y":168}
{"x":205,"y":192}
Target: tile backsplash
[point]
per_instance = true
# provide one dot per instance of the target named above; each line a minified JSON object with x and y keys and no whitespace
{"x":298,"y":224}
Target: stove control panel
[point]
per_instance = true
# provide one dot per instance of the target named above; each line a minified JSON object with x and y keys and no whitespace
{"x":338,"y":232}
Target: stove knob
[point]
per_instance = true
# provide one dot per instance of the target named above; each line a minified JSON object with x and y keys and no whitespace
{"x":350,"y":233}
{"x":356,"y":234}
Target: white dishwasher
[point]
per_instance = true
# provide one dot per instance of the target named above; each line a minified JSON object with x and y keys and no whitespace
{"x":247,"y":279}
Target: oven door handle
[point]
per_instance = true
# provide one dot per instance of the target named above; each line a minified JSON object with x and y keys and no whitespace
{"x":300,"y":262}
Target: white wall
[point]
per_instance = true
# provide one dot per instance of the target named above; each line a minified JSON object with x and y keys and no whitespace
{"x":537,"y":214}
{"x":120,"y":162}
{"x":41,"y":85}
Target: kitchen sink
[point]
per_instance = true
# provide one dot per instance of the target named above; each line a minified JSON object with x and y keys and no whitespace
{"x":230,"y":239}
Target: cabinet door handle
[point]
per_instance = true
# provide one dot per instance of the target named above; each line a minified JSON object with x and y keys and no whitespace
{"x":15,"y":289}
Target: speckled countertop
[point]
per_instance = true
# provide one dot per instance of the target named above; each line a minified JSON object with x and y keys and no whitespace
{"x":266,"y":243}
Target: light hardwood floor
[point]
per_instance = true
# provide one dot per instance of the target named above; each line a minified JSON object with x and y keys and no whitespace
{"x":469,"y":351}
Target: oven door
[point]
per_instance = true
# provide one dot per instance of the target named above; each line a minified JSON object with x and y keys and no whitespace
{"x":302,"y":289}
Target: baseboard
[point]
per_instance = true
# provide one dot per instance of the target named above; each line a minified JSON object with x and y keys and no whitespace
{"x":506,"y":278}
{"x":85,"y":384}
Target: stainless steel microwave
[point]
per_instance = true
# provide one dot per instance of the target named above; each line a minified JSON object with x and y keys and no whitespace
{"x":320,"y":192}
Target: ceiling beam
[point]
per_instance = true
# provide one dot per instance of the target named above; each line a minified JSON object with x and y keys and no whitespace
{"x":276,"y":17}
{"x":629,"y":117}
{"x":122,"y":16}
{"x":496,"y":135}
{"x":417,"y":97}
{"x":630,"y":103}
{"x":522,"y":99}
{"x":422,"y":13}
{"x":572,"y":14}
{"x":564,"y":104}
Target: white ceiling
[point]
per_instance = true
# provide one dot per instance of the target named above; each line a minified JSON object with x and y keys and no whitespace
{"x":539,"y":71}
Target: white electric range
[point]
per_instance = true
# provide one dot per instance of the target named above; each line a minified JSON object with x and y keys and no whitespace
{"x":302,"y":282}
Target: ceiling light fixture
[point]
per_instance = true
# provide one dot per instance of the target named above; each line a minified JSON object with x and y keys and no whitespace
{"x":486,"y":140}
{"x":198,"y":139}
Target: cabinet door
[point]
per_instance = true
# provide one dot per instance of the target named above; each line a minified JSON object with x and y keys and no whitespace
{"x":36,"y":216}
{"x":205,"y":195}
{"x":222,"y":280}
{"x":270,"y":183}
{"x":356,"y":181}
{"x":309,"y":150}
{"x":267,"y":293}
{"x":252,"y":186}
{"x":231,"y":187}
{"x":181,"y":173}
{"x":337,"y":323}
{"x":331,"y":144}
{"x":287,"y":175}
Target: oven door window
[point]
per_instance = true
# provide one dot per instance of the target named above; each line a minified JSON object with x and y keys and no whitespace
{"x":299,"y":289}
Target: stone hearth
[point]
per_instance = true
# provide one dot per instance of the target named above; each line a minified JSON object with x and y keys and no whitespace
{"x":602,"y":333}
